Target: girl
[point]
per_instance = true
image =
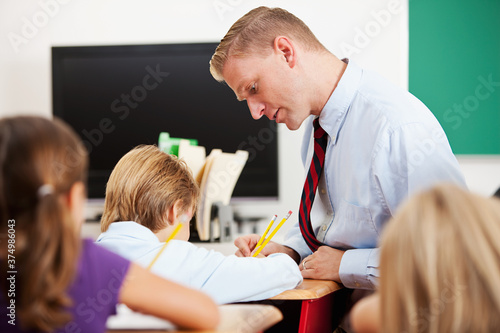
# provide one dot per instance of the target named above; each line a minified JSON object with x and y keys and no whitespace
{"x":439,"y":267}
{"x":55,"y":281}
{"x":148,"y":193}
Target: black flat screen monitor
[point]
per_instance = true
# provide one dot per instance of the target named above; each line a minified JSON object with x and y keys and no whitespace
{"x":117,"y":97}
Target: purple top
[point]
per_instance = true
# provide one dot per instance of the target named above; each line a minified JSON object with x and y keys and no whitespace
{"x":94,"y":292}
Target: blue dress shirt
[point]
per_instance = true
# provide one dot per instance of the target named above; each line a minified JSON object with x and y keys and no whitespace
{"x":384,"y":144}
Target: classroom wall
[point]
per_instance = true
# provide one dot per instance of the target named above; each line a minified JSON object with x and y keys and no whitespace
{"x":374,"y":33}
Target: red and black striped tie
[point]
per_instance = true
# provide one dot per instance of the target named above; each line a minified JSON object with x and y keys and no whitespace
{"x":311,"y":185}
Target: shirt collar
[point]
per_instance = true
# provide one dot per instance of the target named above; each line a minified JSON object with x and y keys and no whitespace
{"x":335,"y":110}
{"x":130,"y":229}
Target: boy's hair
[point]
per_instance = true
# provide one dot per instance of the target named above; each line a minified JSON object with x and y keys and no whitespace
{"x":144,"y":185}
{"x":40,"y":160}
{"x":254,"y":34}
{"x":440,"y":258}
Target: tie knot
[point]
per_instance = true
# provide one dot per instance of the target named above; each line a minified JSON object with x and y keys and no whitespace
{"x":318,"y":130}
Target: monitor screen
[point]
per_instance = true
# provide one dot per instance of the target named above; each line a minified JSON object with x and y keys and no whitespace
{"x":117,"y":97}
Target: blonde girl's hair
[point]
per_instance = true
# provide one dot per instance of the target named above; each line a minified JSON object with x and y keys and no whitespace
{"x":144,"y":184}
{"x":440,"y":264}
{"x":254,"y":34}
{"x":34,"y":152}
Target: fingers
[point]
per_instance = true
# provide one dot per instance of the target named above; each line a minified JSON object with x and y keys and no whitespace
{"x":307,"y":269}
{"x":305,"y":264}
{"x":310,"y":274}
{"x":323,"y":264}
{"x":270,"y":248}
{"x":245,"y":245}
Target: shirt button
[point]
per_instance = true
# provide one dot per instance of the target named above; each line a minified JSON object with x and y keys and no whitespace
{"x":323,"y":191}
{"x":323,"y":227}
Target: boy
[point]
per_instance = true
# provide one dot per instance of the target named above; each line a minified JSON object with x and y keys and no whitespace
{"x":148,"y":194}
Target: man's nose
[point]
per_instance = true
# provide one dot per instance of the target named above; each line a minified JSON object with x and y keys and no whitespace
{"x":256,"y":108}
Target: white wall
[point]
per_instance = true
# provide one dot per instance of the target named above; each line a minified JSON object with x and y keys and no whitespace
{"x":374,"y":33}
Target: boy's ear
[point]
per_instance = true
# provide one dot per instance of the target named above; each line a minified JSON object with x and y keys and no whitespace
{"x":174,"y":212}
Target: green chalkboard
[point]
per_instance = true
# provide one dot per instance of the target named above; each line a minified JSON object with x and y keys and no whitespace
{"x":454,"y":68}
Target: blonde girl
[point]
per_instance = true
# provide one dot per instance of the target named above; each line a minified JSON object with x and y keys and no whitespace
{"x":440,"y":267}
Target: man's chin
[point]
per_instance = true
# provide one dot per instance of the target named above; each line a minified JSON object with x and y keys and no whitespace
{"x":292,"y":127}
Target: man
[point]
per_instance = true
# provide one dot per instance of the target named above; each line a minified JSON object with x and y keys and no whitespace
{"x":374,"y":144}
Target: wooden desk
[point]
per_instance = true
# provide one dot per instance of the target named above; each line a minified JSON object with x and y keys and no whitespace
{"x":309,"y":290}
{"x":251,"y":318}
{"x":317,"y":304}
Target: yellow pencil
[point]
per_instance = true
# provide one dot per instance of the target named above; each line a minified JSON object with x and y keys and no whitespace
{"x":172,"y":235}
{"x":267,"y":230}
{"x":272,"y":234}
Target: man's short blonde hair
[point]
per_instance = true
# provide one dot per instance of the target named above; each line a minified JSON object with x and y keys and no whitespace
{"x":144,"y":185}
{"x":254,"y":34}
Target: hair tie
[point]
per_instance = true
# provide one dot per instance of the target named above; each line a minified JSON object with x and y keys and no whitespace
{"x":44,"y":190}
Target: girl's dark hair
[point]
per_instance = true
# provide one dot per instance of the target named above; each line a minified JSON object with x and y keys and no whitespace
{"x":40,"y":161}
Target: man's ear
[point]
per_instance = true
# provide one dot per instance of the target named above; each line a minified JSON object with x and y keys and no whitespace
{"x":285,"y":48}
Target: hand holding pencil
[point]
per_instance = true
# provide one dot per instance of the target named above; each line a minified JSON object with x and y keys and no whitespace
{"x":263,"y":240}
{"x":250,"y":244}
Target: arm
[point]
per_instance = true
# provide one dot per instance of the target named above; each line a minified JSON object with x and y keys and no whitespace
{"x":249,"y":279}
{"x":365,"y":315}
{"x":235,"y":279}
{"x":145,"y":292}
{"x":408,"y":159}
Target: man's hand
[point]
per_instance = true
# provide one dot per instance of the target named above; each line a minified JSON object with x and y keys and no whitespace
{"x":246,"y":247}
{"x":323,"y":264}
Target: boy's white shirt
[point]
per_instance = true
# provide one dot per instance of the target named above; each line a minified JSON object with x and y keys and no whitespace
{"x":226,"y":279}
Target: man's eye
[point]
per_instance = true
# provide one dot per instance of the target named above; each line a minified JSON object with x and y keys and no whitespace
{"x":252,"y":89}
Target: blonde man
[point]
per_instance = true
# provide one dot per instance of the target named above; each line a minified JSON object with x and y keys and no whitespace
{"x":148,"y":194}
{"x":378,"y":143}
{"x":439,"y":266}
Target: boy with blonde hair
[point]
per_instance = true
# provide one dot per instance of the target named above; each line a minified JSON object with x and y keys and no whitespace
{"x":148,"y":194}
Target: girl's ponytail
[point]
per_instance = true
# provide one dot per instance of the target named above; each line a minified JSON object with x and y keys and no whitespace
{"x":47,"y":265}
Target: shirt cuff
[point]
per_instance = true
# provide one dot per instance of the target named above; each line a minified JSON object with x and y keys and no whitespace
{"x":359,"y":269}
